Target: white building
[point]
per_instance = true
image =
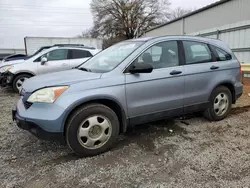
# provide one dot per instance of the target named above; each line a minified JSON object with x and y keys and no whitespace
{"x":227,"y":20}
{"x":7,"y":51}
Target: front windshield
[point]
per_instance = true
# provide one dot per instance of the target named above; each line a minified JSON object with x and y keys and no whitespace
{"x":38,"y":51}
{"x":110,"y":58}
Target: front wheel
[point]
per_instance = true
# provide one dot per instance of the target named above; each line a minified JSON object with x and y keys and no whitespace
{"x":92,"y":129}
{"x":18,"y":82}
{"x":220,"y":104}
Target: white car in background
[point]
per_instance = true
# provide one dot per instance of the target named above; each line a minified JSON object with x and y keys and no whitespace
{"x":52,"y":59}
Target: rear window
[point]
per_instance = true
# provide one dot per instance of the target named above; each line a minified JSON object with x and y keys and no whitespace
{"x":77,"y":54}
{"x":221,"y":55}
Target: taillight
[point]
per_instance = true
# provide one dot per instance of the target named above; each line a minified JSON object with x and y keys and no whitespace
{"x":241,"y":75}
{"x":239,"y":64}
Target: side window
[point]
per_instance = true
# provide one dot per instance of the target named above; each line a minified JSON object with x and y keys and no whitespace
{"x":77,"y":54}
{"x":196,"y":52}
{"x":59,"y":54}
{"x":161,"y":55}
{"x":220,"y":54}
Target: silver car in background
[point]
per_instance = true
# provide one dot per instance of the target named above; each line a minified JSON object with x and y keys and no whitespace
{"x":49,"y":59}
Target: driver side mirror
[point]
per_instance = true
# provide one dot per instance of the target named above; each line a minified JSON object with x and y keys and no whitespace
{"x":44,"y":60}
{"x":141,"y":68}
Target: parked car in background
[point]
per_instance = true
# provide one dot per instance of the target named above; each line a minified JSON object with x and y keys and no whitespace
{"x":133,"y":82}
{"x":11,"y":60}
{"x":46,"y":60}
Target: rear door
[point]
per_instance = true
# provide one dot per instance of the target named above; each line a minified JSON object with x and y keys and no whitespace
{"x":78,"y":56}
{"x":199,"y":74}
{"x":57,"y":61}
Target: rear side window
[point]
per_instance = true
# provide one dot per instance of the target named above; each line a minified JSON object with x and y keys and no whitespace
{"x":196,"y":52}
{"x":220,"y":54}
{"x":78,"y":54}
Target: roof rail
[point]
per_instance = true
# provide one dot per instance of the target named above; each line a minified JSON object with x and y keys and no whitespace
{"x":74,"y":45}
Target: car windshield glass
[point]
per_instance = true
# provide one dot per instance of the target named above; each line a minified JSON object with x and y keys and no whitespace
{"x":38,"y":51}
{"x":110,"y":58}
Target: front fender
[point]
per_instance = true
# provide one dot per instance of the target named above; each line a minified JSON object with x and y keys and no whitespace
{"x":15,"y":72}
{"x":70,"y":101}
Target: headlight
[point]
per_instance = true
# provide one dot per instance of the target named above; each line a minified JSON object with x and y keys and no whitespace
{"x":47,"y":95}
{"x":5,"y":68}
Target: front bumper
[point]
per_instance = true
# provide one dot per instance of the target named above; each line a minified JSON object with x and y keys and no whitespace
{"x":44,"y":121}
{"x":6,"y":79}
{"x":3,"y":80}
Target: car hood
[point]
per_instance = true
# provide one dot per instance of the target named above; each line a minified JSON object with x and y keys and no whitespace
{"x":13,"y":62}
{"x":58,"y":78}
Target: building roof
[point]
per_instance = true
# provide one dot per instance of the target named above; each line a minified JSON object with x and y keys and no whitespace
{"x":192,"y":13}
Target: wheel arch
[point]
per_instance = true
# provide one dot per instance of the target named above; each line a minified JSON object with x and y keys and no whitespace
{"x":228,"y":85}
{"x":20,"y":73}
{"x":107,"y":101}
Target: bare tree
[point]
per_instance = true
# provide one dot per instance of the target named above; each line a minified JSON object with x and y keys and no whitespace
{"x":178,"y":12}
{"x":127,"y":19}
{"x":89,"y":33}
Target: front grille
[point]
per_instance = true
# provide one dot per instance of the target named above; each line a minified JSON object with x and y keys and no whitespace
{"x":27,"y":104}
{"x":25,"y":97}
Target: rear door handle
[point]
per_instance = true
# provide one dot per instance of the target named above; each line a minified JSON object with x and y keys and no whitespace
{"x":214,"y":67}
{"x":175,"y":72}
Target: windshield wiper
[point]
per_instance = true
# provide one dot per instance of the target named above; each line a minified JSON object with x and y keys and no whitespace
{"x":84,"y":69}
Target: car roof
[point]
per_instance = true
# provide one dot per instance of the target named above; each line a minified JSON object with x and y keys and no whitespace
{"x":73,"y":47}
{"x":145,"y":39}
{"x":183,"y":37}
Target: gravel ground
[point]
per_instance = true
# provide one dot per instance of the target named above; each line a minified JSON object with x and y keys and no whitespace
{"x":175,"y":153}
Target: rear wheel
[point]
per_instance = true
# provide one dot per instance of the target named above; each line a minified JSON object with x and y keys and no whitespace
{"x":92,"y":129}
{"x":220,"y":104}
{"x":18,"y":82}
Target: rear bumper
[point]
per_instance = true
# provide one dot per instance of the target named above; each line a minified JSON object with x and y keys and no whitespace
{"x":238,"y":95}
{"x":238,"y":90}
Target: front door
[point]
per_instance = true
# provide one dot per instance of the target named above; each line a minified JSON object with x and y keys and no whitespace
{"x":57,"y":61}
{"x":155,"y":95}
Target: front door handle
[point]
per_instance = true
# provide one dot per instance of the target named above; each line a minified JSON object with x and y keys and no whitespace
{"x":175,"y":72}
{"x":214,"y":67}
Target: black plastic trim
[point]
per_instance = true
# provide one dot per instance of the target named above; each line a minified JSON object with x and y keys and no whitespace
{"x":182,"y":57}
{"x":147,"y":118}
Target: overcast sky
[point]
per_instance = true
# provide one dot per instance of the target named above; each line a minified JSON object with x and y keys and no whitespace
{"x":53,"y":18}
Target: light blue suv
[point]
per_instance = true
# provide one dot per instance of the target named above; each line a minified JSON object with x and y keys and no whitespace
{"x":133,"y":82}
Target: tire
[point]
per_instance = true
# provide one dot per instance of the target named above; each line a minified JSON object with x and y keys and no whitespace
{"x":86,"y":134}
{"x":16,"y":85}
{"x":215,"y":111}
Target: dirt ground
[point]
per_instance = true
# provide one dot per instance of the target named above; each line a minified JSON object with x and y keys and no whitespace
{"x":189,"y":152}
